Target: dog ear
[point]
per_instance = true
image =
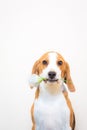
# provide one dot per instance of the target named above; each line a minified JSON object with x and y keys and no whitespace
{"x":35,"y":69}
{"x":68,"y":79}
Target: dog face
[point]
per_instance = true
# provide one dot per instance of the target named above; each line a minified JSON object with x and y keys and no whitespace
{"x":53,"y":68}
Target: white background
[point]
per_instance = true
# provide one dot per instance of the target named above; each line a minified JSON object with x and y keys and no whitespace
{"x":29,"y":28}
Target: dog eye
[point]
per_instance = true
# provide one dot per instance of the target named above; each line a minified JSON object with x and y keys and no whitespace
{"x":60,"y":63}
{"x":44,"y":62}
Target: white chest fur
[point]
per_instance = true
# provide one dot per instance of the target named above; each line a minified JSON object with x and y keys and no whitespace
{"x":51,"y":112}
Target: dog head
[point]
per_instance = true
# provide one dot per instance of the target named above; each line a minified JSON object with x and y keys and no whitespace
{"x":53,"y":68}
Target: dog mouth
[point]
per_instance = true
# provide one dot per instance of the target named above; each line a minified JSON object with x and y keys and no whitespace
{"x":51,"y":80}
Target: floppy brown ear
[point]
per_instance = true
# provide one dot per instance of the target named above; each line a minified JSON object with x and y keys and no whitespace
{"x":68,"y":79}
{"x":35,"y":69}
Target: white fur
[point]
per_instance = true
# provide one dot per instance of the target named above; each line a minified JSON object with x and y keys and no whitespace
{"x":51,"y":111}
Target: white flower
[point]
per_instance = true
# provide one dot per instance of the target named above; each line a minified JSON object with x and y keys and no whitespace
{"x":35,"y":80}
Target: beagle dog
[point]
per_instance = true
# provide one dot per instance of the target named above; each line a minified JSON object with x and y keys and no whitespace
{"x":52,"y":109}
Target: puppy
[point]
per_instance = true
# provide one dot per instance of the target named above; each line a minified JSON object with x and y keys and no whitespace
{"x":52,"y":109}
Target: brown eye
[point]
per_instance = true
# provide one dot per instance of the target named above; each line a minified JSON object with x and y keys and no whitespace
{"x":44,"y":62}
{"x":60,"y":63}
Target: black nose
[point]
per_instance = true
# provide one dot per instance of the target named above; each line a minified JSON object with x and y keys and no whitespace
{"x":52,"y":74}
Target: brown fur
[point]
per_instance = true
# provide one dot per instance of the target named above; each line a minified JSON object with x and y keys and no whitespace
{"x":32,"y":116}
{"x":66,"y":73}
{"x":72,"y":117}
{"x":38,"y":66}
{"x":32,"y":109}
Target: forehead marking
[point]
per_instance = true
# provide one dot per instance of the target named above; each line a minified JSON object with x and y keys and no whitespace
{"x":52,"y":58}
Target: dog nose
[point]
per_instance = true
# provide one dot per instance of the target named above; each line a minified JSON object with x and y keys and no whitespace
{"x":52,"y":74}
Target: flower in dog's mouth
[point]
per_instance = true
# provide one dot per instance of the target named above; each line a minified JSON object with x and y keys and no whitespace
{"x":35,"y":80}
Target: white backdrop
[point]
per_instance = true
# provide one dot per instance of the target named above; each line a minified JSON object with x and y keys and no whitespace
{"x":28,"y":28}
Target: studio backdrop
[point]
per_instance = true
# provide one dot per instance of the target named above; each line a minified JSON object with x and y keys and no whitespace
{"x":29,"y":28}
